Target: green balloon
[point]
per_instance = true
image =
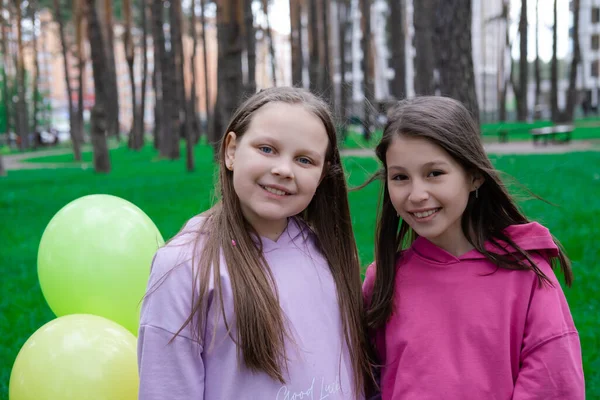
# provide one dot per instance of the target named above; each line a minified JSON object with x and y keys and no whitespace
{"x":76,"y":357}
{"x":94,"y":258}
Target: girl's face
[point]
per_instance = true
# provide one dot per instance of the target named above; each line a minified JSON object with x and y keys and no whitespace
{"x":429,"y":190}
{"x":277,"y":165}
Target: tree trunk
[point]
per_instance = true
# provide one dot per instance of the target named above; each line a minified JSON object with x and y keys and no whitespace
{"x":326,"y":79}
{"x":425,"y":62}
{"x":140,"y":127}
{"x":296,"y":42}
{"x":367,"y":67}
{"x":112,"y":106}
{"x":396,"y":45}
{"x":572,"y":97}
{"x":455,"y":53}
{"x":5,"y":61}
{"x":207,"y":104}
{"x":130,"y":58}
{"x":36,"y":67}
{"x":554,"y":70}
{"x":178,"y":109}
{"x":521,"y":89}
{"x":100,"y":68}
{"x":271,"y":44}
{"x":229,"y":76}
{"x":538,"y":78}
{"x":161,"y":66}
{"x":22,"y":119}
{"x":314,"y":66}
{"x":192,"y":113}
{"x":80,"y":33}
{"x":2,"y":170}
{"x":507,"y":48}
{"x":75,"y":139}
{"x":343,"y":7}
{"x":250,"y":37}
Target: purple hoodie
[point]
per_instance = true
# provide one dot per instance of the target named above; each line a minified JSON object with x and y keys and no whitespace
{"x":462,"y":329}
{"x":319,"y":365}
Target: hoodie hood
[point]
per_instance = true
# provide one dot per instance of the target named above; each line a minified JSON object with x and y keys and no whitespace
{"x":529,"y":237}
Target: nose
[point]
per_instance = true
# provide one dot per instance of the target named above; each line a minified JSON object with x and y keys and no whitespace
{"x":283,"y":168}
{"x":418,"y":193}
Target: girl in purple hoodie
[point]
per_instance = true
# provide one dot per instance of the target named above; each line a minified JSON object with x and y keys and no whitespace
{"x":260,"y":297}
{"x":462,"y":301}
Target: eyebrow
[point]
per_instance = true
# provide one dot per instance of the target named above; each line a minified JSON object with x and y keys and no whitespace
{"x":426,"y":165}
{"x":313,"y":154}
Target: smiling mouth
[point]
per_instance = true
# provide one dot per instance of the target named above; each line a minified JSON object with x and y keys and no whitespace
{"x":425,"y":214}
{"x":275,"y":191}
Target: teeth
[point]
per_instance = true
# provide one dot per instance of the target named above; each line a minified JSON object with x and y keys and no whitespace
{"x":274,"y":191}
{"x":425,"y":214}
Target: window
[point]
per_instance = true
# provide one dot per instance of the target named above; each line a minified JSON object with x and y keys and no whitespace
{"x":595,"y":15}
{"x":595,"y":68}
{"x":596,"y":42}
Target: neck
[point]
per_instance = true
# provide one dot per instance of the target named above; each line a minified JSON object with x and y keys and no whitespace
{"x":457,"y":246}
{"x":271,"y":231}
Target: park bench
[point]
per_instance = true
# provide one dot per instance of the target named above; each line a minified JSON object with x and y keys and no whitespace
{"x":552,"y":134}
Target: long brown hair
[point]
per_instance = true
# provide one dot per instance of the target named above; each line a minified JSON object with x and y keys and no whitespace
{"x":261,"y":330}
{"x":447,"y":123}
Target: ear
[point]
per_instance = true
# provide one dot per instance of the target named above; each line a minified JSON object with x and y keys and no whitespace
{"x":230,"y":147}
{"x":477,"y":179}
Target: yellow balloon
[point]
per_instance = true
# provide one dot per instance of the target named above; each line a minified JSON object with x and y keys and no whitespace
{"x":94,"y":258}
{"x":76,"y":357}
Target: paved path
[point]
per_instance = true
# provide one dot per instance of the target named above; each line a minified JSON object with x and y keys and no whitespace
{"x":17,"y":161}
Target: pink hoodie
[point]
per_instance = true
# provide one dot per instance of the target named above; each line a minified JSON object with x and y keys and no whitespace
{"x":463,"y":329}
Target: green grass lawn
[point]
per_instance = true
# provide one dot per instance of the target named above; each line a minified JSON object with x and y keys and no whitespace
{"x":169,"y":195}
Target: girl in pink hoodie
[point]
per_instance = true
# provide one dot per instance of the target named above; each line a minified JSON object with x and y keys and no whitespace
{"x":462,"y":301}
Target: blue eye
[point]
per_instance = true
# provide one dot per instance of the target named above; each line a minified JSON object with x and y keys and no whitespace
{"x":266,"y":149}
{"x":304,"y":160}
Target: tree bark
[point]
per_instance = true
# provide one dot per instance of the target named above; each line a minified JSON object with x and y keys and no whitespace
{"x":178,"y":108}
{"x":80,"y":33}
{"x":192,"y":114}
{"x":130,"y":58}
{"x":5,"y":60}
{"x":326,"y":80}
{"x":367,"y":67}
{"x":36,"y":68}
{"x":250,"y":36}
{"x":112,"y":106}
{"x":140,"y":127}
{"x":424,"y":64}
{"x":100,"y":68}
{"x":455,"y":53}
{"x":521,"y":88}
{"x":554,"y":70}
{"x":572,"y":95}
{"x":75,"y":139}
{"x":296,"y":42}
{"x":271,"y":44}
{"x":207,"y":103}
{"x":22,"y":119}
{"x":538,"y":78}
{"x":507,"y":47}
{"x":313,"y":46}
{"x":396,"y":44}
{"x":343,"y":7}
{"x":2,"y":170}
{"x":229,"y":76}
